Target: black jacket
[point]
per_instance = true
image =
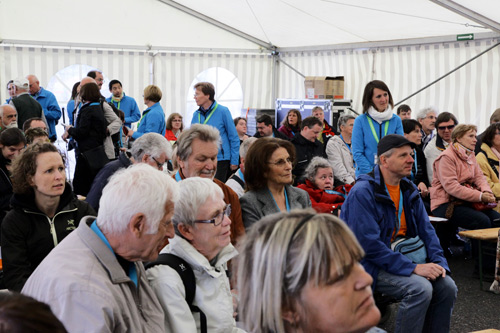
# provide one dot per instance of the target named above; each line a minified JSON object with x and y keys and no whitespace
{"x":305,"y":150}
{"x":5,"y":187}
{"x":28,"y":235}
{"x":420,"y":176}
{"x":90,"y":129}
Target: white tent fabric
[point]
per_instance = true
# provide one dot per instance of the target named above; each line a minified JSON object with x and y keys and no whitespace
{"x":407,"y":43}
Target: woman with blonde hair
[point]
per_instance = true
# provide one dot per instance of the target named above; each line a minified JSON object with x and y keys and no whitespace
{"x":300,"y":272}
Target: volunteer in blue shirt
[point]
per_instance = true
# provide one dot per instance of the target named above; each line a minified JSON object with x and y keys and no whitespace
{"x":125,"y":103}
{"x":49,"y":105}
{"x":377,"y":121}
{"x":218,"y":116}
{"x":153,"y":118}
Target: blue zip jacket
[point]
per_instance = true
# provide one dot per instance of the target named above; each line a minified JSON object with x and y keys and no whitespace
{"x":153,"y":120}
{"x":70,"y":107}
{"x":50,"y":108}
{"x":223,"y":121}
{"x":364,"y":145}
{"x":370,"y":213}
{"x":129,"y":106}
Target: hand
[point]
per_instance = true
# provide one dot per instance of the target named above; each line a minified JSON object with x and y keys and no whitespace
{"x":424,"y":191}
{"x":430,"y":271}
{"x":233,"y":167}
{"x":129,"y":133}
{"x":487,"y":197}
{"x":67,"y":127}
{"x":65,"y":136}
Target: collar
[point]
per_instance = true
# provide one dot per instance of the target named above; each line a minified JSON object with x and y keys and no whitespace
{"x":209,"y":108}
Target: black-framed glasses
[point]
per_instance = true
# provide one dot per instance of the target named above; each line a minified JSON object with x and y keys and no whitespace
{"x":219,"y":218}
{"x":449,"y":127}
{"x":158,"y":164}
{"x":282,"y":162}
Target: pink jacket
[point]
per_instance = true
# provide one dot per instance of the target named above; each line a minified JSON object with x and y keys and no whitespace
{"x":451,"y":169}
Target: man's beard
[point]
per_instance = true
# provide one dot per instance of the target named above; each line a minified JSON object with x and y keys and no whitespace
{"x":13,"y":124}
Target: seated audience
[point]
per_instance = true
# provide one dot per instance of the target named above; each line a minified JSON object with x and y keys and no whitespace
{"x":36,"y":135}
{"x":327,"y":131}
{"x":384,"y":207}
{"x":241,"y":127}
{"x":44,"y":211}
{"x":202,"y":239}
{"x":339,"y":152}
{"x":404,"y":112}
{"x":266,"y":129}
{"x":377,"y":121}
{"x":494,"y":118}
{"x":291,"y":125}
{"x":8,"y":117}
{"x":319,"y":184}
{"x":307,"y":146}
{"x":94,"y":281}
{"x":458,"y":182}
{"x":89,"y":133}
{"x":197,"y":150}
{"x":488,"y":158}
{"x":34,"y":122}
{"x":268,"y":177}
{"x":445,"y":123}
{"x":300,"y":272}
{"x":153,"y":118}
{"x":174,"y":127}
{"x":237,"y":181}
{"x":427,"y":119}
{"x":19,"y":313}
{"x":151,"y":148}
{"x":12,"y":143}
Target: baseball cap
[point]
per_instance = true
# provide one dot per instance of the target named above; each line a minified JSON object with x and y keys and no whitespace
{"x":392,"y":141}
{"x":22,"y":82}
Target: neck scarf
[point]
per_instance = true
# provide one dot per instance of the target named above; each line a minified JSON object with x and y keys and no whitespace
{"x":380,"y":117}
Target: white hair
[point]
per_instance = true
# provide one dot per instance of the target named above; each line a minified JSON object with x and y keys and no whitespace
{"x":137,"y":189}
{"x":152,"y":144}
{"x":425,"y":111}
{"x":193,"y":193}
{"x":245,"y":145}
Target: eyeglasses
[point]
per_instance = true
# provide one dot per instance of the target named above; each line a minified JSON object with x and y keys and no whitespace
{"x":158,"y":164}
{"x":219,"y":218}
{"x":449,"y":127}
{"x":282,"y":162}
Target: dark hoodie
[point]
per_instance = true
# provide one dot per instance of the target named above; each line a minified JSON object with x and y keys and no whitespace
{"x":28,"y":235}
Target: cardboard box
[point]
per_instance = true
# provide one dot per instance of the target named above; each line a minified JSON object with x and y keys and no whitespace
{"x":324,"y":87}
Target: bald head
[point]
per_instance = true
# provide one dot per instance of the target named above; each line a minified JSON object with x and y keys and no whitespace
{"x":8,"y":116}
{"x":34,"y":84}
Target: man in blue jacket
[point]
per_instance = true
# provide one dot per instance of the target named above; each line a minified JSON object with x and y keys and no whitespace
{"x":218,"y":116}
{"x":384,"y":206}
{"x":49,"y":104}
{"x":123,"y":102}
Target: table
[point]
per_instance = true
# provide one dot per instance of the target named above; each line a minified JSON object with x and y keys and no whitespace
{"x":490,"y":235}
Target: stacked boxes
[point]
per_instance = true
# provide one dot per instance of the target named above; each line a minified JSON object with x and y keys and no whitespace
{"x":324,"y":87}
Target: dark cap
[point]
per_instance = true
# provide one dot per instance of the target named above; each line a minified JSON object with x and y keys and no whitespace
{"x":392,"y":141}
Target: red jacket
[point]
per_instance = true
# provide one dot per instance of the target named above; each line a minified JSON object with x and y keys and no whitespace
{"x":322,"y":201}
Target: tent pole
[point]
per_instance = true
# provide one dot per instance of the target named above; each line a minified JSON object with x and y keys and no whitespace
{"x":450,"y":72}
{"x":275,"y":76}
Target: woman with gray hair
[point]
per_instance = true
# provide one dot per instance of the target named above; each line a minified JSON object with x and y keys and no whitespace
{"x":203,"y":228}
{"x":300,"y":272}
{"x":338,"y":150}
{"x":319,"y":184}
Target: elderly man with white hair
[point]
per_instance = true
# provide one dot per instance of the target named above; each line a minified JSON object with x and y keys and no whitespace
{"x":94,"y":280}
{"x":202,"y":240}
{"x":8,"y":117}
{"x":151,"y":148}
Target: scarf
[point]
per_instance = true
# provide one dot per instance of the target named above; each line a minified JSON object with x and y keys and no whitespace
{"x":116,"y":99}
{"x":464,"y":152}
{"x":380,"y":117}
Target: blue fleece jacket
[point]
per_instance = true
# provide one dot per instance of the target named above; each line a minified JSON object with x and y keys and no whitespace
{"x":50,"y":108}
{"x":70,"y":107}
{"x":153,"y":120}
{"x":371,"y":214}
{"x":364,"y":144}
{"x":223,"y":121}
{"x":129,"y":106}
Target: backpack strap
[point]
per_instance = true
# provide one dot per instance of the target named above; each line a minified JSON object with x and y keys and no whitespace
{"x":187,"y":276}
{"x":493,"y":164}
{"x":238,"y":180}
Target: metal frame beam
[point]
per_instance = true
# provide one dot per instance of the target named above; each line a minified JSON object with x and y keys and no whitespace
{"x":468,"y":13}
{"x":218,"y":24}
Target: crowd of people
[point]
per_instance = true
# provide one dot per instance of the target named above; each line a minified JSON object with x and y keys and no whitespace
{"x":207,"y":228}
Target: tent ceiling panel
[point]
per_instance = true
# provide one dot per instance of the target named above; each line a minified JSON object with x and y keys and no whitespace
{"x":111,"y":22}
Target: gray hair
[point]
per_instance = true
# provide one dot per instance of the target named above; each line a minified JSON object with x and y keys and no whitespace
{"x":284,"y":252}
{"x":205,"y":133}
{"x":315,"y":164}
{"x":386,"y":154}
{"x":425,"y":111}
{"x":344,"y":119}
{"x":246,"y":145}
{"x":152,"y":144}
{"x":193,"y":194}
{"x":137,"y":189}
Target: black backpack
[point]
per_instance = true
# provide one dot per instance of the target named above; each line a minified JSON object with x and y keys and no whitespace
{"x":187,"y":276}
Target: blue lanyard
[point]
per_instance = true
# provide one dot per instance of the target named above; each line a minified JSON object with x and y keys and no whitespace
{"x":348,"y":147}
{"x":178,"y":177}
{"x":286,"y":201}
{"x":416,"y":170}
{"x":132,"y":272}
{"x":240,"y":174}
{"x":400,"y":209}
{"x":335,"y":192}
